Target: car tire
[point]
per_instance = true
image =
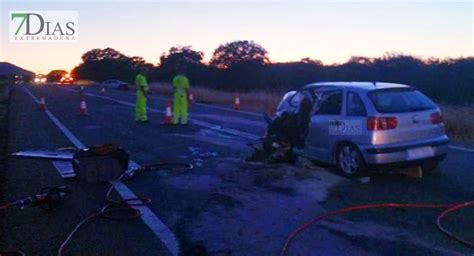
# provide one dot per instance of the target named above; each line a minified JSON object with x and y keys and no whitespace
{"x":429,"y":167}
{"x":350,"y":161}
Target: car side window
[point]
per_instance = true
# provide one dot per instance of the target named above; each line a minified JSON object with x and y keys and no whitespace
{"x":296,"y":99}
{"x":355,"y":106}
{"x":330,"y":103}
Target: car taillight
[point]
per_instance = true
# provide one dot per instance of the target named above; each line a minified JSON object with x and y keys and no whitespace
{"x":381,"y":123}
{"x":436,"y":118}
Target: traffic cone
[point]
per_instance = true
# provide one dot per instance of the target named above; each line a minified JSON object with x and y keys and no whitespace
{"x":83,"y":107}
{"x":191,"y":98}
{"x":42,"y":104}
{"x":237,"y":102}
{"x":103,"y":91}
{"x":168,"y":115}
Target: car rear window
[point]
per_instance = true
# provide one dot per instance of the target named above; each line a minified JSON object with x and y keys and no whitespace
{"x":400,"y":100}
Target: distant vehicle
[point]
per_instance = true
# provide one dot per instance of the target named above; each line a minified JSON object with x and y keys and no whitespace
{"x":55,"y":76}
{"x":115,"y":84}
{"x":18,"y":79}
{"x":66,"y":79}
{"x":360,"y":126}
{"x":40,"y":79}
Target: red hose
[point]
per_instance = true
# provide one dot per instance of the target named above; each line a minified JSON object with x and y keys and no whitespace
{"x":448,"y":233}
{"x":448,"y":209}
{"x":6,"y":206}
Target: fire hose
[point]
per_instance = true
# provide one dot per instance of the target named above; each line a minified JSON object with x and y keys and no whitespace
{"x":119,"y":210}
{"x":123,"y":210}
{"x":53,"y":196}
{"x":448,"y":209}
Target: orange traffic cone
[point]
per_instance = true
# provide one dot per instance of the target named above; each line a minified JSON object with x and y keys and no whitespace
{"x":168,"y":115}
{"x":191,"y":98}
{"x":237,"y":102}
{"x":42,"y":104}
{"x":83,"y":107}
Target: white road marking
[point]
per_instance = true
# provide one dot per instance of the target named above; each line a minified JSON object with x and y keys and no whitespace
{"x":462,"y":148}
{"x":195,"y":121}
{"x":160,"y":230}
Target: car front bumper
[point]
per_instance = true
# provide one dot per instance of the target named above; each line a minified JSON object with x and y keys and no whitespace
{"x":411,"y":153}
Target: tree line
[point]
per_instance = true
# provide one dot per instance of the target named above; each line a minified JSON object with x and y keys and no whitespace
{"x":245,"y":66}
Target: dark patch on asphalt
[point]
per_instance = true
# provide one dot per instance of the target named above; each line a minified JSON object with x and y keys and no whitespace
{"x":287,"y":191}
{"x":224,"y":200}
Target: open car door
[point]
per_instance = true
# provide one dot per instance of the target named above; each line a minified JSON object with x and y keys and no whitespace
{"x":291,"y":122}
{"x":327,"y":108}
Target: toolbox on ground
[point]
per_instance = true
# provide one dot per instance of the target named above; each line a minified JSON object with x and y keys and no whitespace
{"x":100,"y":163}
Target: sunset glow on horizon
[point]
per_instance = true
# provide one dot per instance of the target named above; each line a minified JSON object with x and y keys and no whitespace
{"x":289,"y":31}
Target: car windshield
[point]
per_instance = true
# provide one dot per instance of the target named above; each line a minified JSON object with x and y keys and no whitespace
{"x":400,"y":100}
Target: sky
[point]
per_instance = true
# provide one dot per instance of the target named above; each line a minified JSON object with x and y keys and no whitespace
{"x":290,"y":30}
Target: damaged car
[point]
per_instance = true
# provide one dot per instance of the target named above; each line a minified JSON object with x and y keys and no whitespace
{"x":359,"y":126}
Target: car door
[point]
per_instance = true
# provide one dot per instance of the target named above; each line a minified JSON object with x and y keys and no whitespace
{"x":354,"y":121}
{"x":324,"y":120}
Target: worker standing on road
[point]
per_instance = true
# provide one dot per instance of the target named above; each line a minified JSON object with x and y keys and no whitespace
{"x":180,"y":106}
{"x":142,"y":91}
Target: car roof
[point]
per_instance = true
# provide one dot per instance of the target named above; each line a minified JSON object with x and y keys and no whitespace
{"x":365,"y":86}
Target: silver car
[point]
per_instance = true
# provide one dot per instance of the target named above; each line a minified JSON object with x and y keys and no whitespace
{"x":360,"y":126}
{"x":115,"y":84}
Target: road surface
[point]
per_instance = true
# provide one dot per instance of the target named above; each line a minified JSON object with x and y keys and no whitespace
{"x":224,"y":206}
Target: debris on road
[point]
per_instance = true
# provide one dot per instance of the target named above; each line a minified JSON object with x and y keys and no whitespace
{"x":64,"y":169}
{"x":48,"y":154}
{"x":100,"y":163}
{"x":199,"y":155}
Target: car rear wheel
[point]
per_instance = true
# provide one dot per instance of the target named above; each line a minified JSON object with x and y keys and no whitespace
{"x":349,"y":160}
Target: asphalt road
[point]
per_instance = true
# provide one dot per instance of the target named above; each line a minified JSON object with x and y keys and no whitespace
{"x":224,"y":206}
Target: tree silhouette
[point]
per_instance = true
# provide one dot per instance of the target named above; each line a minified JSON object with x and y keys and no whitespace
{"x":102,"y":54}
{"x":244,"y":65}
{"x":108,"y":63}
{"x":308,"y":60}
{"x":55,"y":75}
{"x":180,"y":57}
{"x":138,"y":62}
{"x":239,"y":52}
